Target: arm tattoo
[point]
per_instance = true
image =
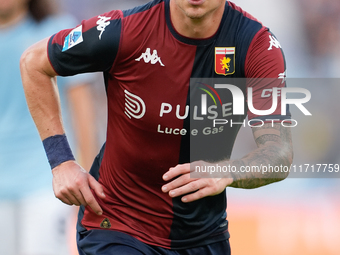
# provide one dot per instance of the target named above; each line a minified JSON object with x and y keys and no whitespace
{"x":274,"y":149}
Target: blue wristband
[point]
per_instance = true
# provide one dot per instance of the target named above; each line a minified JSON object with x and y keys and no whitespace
{"x":57,"y":150}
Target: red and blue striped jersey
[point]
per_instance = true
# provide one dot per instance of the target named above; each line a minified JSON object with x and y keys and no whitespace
{"x":147,"y":68}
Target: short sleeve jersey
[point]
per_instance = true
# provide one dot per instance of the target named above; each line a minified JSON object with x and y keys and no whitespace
{"x":147,"y":67}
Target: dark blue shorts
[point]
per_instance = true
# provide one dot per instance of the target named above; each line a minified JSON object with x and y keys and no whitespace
{"x":107,"y":242}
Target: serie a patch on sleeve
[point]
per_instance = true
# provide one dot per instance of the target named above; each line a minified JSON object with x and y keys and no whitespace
{"x":74,"y":37}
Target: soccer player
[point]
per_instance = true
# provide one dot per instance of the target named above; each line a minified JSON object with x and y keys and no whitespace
{"x":139,"y":197}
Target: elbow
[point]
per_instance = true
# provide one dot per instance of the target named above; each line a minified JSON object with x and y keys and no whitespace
{"x":34,"y":61}
{"x":290,"y":157}
{"x":287,"y":166}
{"x":24,"y":60}
{"x":24,"y":68}
{"x":27,"y":63}
{"x":283,"y":160}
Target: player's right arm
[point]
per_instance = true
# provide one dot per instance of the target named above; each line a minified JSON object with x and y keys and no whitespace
{"x":71,"y":183}
{"x":90,"y":47}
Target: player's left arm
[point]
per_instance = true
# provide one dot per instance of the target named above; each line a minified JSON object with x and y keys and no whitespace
{"x":265,"y":59}
{"x":274,"y":152}
{"x":274,"y":149}
{"x":274,"y":145}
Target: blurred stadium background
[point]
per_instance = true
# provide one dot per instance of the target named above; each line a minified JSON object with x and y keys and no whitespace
{"x":299,"y":215}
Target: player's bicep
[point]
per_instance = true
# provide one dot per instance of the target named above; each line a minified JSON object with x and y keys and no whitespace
{"x":266,"y":73}
{"x":265,"y":58}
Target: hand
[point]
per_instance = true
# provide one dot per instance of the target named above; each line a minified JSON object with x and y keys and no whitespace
{"x":183,"y":184}
{"x":72,"y":184}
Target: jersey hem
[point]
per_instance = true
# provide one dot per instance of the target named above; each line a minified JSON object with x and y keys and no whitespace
{"x":216,"y":238}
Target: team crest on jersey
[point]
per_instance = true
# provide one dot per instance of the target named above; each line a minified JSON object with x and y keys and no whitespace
{"x":225,"y":60}
{"x":74,"y":37}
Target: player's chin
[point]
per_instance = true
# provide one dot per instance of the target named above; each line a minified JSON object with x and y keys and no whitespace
{"x":195,"y":14}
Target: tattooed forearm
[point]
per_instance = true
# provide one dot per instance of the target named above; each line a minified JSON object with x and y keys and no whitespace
{"x":274,"y":149}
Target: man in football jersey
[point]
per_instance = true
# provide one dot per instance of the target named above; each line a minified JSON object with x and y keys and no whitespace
{"x":139,"y":197}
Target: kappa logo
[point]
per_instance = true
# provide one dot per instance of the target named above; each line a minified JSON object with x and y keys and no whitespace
{"x":273,"y":43}
{"x":102,"y":24}
{"x":134,"y":106}
{"x":147,"y":57}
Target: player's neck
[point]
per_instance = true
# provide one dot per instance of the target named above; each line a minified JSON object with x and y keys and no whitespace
{"x":199,"y":28}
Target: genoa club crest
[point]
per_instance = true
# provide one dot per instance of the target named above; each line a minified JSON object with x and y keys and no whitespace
{"x":225,"y":60}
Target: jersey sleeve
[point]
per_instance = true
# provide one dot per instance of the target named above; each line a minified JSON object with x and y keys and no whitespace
{"x":90,"y":47}
{"x":265,"y":69}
